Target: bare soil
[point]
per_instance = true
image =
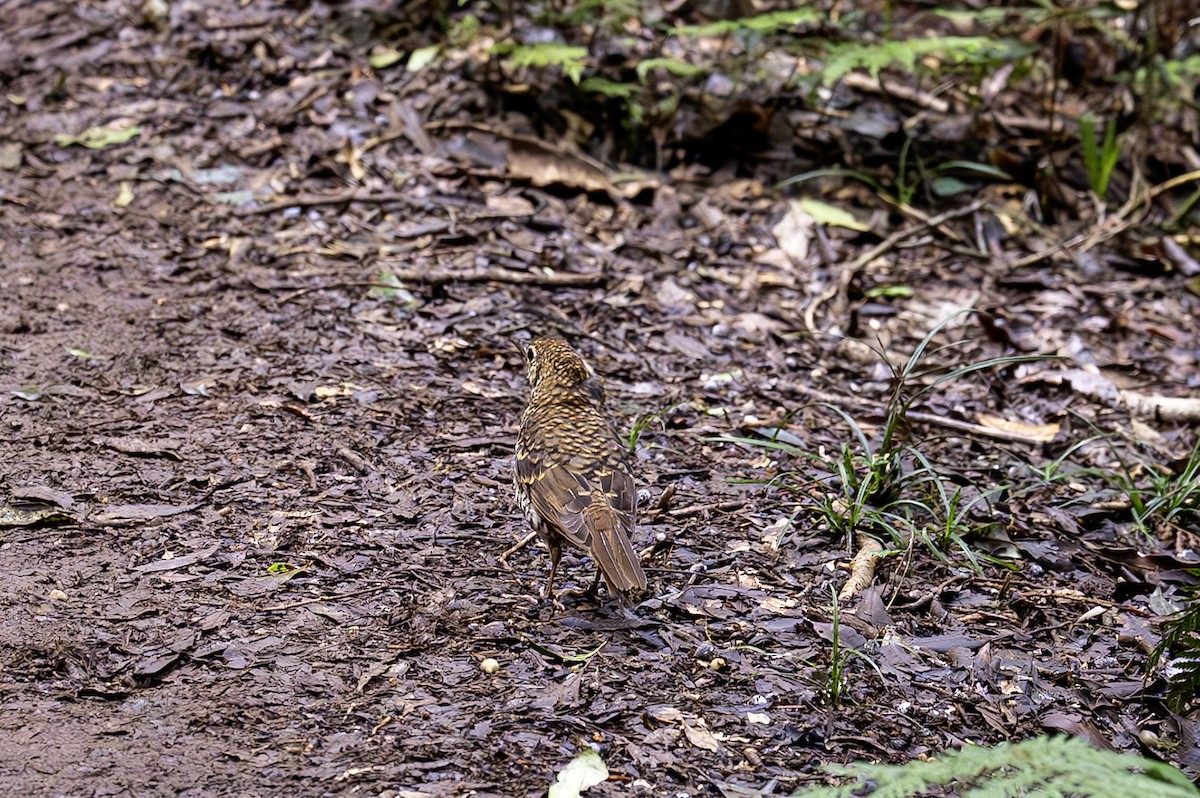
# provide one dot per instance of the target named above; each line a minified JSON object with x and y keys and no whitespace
{"x":258,"y":409}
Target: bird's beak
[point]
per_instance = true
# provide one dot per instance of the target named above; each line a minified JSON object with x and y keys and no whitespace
{"x":520,"y":346}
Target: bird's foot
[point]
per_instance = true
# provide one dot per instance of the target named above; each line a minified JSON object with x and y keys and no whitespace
{"x":551,"y":601}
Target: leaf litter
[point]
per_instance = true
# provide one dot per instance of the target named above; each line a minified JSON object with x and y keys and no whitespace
{"x":306,"y":292}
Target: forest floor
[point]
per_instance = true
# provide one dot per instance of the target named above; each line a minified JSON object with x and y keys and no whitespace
{"x":259,"y":387}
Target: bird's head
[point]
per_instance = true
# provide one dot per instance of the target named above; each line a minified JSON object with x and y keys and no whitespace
{"x":553,"y":364}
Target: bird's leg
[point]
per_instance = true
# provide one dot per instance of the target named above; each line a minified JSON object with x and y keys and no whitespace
{"x":513,"y":549}
{"x":555,"y":554}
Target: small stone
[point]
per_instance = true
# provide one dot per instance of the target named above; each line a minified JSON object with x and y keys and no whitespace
{"x":489,"y":666}
{"x":156,"y":13}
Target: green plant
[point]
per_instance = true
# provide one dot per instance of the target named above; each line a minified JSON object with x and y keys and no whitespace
{"x":943,"y":513}
{"x":1169,"y":498}
{"x":1058,"y":468}
{"x":643,"y":422}
{"x":571,"y":60}
{"x":1041,"y":767}
{"x":609,"y":14}
{"x":1099,"y":157}
{"x":761,"y":24}
{"x":839,"y":657}
{"x":1181,"y":640}
{"x":906,"y":54}
{"x":835,"y":683}
{"x":867,"y":487}
{"x":1158,"y":498}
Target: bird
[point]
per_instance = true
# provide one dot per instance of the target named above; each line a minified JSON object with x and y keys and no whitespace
{"x":572,"y":477}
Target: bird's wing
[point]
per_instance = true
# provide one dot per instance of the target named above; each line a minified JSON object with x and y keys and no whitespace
{"x":595,"y":515}
{"x":558,"y":496}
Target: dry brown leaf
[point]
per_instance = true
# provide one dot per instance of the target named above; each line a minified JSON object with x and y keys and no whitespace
{"x":862,"y":567}
{"x":544,"y":168}
{"x":511,"y":204}
{"x":1034,"y":433}
{"x":701,"y":737}
{"x":793,"y":233}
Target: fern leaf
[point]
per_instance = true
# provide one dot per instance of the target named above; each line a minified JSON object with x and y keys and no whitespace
{"x":1043,"y":767}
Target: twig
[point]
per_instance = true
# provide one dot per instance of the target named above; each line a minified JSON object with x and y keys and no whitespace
{"x":315,"y":200}
{"x":520,"y":544}
{"x":855,"y":266}
{"x":895,"y":238}
{"x":1122,"y":220}
{"x":974,"y":429}
{"x":700,"y":509}
{"x":359,"y":195}
{"x":436,"y":278}
{"x":319,"y":599}
{"x":493,"y":275}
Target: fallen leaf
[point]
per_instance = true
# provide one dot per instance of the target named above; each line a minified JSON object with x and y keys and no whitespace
{"x":10,"y":156}
{"x":143,"y":512}
{"x":124,"y":195}
{"x":794,"y":232}
{"x":664,"y":714}
{"x":584,"y":771}
{"x":701,"y":737}
{"x":142,"y":447}
{"x":179,"y":562}
{"x":32,"y":515}
{"x":98,"y":137}
{"x":824,"y":213}
{"x":1035,"y":433}
{"x":542,"y":167}
{"x":43,"y":494}
{"x":235,"y":198}
{"x":381,"y":59}
{"x":216,"y":176}
{"x":862,"y":567}
{"x":422,"y":57}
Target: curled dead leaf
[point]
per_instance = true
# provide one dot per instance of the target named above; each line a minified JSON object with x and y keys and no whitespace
{"x":1034,"y":433}
{"x":862,"y":567}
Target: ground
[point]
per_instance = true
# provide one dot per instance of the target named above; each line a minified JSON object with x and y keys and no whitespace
{"x":259,"y":390}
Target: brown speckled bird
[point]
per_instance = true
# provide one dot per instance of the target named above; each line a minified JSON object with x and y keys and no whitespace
{"x":572,"y":476}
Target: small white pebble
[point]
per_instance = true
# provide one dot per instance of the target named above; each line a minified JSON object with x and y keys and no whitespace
{"x":489,"y":666}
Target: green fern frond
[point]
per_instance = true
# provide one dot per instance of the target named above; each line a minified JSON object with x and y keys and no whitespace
{"x":571,"y":59}
{"x":680,"y":69}
{"x":1181,"y":640}
{"x":764,"y":24}
{"x":1042,"y":767}
{"x":609,"y":88}
{"x":905,"y":53}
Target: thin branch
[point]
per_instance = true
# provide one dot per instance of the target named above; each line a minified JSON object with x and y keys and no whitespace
{"x":444,"y":277}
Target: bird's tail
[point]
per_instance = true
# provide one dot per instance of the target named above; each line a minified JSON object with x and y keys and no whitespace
{"x":612,"y":551}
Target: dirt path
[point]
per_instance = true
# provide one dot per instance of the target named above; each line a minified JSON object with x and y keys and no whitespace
{"x":284,"y":481}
